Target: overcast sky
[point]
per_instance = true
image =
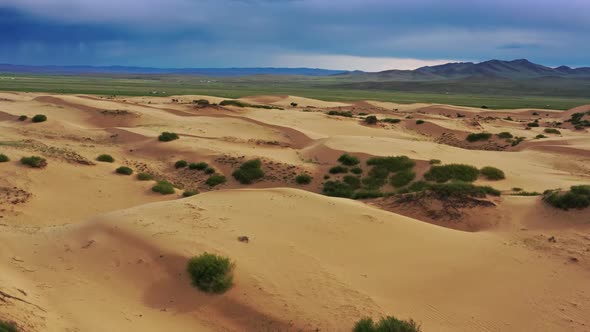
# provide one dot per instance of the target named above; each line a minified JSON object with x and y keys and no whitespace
{"x":335,"y":34}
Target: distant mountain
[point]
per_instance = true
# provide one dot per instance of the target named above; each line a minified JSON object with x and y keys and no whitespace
{"x":515,"y":69}
{"x":211,"y":72}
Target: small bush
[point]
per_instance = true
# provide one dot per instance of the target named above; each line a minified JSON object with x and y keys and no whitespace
{"x":215,"y":180}
{"x":326,"y":177}
{"x":39,"y":118}
{"x":4,"y":158}
{"x":552,"y":131}
{"x":402,"y":178}
{"x":492,"y":173}
{"x":337,"y":189}
{"x":356,"y":170}
{"x":540,"y":136}
{"x":386,"y":324}
{"x":348,"y":160}
{"x":189,"y":193}
{"x":517,"y":140}
{"x":338,"y":170}
{"x":474,"y":137}
{"x":532,"y":124}
{"x":452,"y":172}
{"x":211,"y":273}
{"x":371,"y":120}
{"x":7,"y":327}
{"x":435,"y":162}
{"x":249,"y":172}
{"x":164,"y":188}
{"x":198,"y":166}
{"x":419,"y":122}
{"x":578,"y":197}
{"x":346,"y":114}
{"x":209,"y":170}
{"x":353,"y":181}
{"x":505,"y":135}
{"x":124,"y":170}
{"x":167,"y":137}
{"x":233,"y":103}
{"x":34,"y":161}
{"x":105,"y":158}
{"x":181,"y":164}
{"x":390,"y":120}
{"x":303,"y":179}
{"x":23,"y":118}
{"x":144,"y":176}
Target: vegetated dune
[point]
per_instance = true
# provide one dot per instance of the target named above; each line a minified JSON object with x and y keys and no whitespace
{"x":87,"y":249}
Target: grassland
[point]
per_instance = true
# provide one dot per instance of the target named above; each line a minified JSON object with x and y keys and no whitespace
{"x":494,"y":95}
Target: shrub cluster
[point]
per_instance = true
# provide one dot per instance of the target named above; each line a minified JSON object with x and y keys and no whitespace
{"x":505,"y":135}
{"x":474,"y":137}
{"x":348,"y":160}
{"x":249,"y":172}
{"x":338,"y":170}
{"x":105,"y":158}
{"x":532,"y":124}
{"x":402,"y":178}
{"x":353,"y":181}
{"x":552,"y":131}
{"x":39,"y":118}
{"x":198,"y":166}
{"x":215,"y":180}
{"x":337,"y":189}
{"x":452,"y":172}
{"x":34,"y":161}
{"x":356,"y":170}
{"x":209,"y":170}
{"x":460,"y":189}
{"x":181,"y":164}
{"x":577,"y":119}
{"x":390,"y":120}
{"x":4,"y":158}
{"x":303,"y":179}
{"x":211,"y":273}
{"x":392,"y":164}
{"x":124,"y":170}
{"x":386,"y":324}
{"x":164,"y":188}
{"x":371,"y":120}
{"x":167,"y":136}
{"x":492,"y":173}
{"x":238,"y":103}
{"x":578,"y":197}
{"x":346,"y":114}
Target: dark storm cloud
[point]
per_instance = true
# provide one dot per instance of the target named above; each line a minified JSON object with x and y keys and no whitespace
{"x":259,"y":32}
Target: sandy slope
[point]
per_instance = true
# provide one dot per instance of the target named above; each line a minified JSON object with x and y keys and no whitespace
{"x":81,"y":244}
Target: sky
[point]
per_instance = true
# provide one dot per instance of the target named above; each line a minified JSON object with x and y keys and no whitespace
{"x":370,"y":35}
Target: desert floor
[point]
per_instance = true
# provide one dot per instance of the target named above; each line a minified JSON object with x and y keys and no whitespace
{"x":86,"y":249}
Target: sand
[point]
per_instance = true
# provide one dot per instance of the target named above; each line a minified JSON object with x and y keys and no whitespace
{"x":85,"y":249}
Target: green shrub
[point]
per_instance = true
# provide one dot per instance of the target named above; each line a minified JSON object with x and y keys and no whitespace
{"x":390,"y":120}
{"x":532,"y":124}
{"x":578,"y":197}
{"x":461,"y":190}
{"x":346,"y":114}
{"x":540,"y":136}
{"x":23,"y":118}
{"x":189,"y":193}
{"x":552,"y":131}
{"x":505,"y":135}
{"x":402,"y":178}
{"x":419,"y":122}
{"x":474,"y":137}
{"x":371,"y":120}
{"x":353,"y":181}
{"x":105,"y":158}
{"x":34,"y":161}
{"x":233,"y":103}
{"x":526,"y":193}
{"x":356,"y":170}
{"x":124,"y":170}
{"x":373,"y":182}
{"x":516,"y":189}
{"x":198,"y":166}
{"x":517,"y":140}
{"x":39,"y":118}
{"x":492,"y":173}
{"x":7,"y":327}
{"x":392,"y":164}
{"x":164,"y":188}
{"x":144,"y":176}
{"x":209,"y":170}
{"x":303,"y":179}
{"x":180,"y":164}
{"x":211,"y":273}
{"x":337,"y":189}
{"x":4,"y":158}
{"x":215,"y":180}
{"x":348,"y":160}
{"x":167,"y":137}
{"x":452,"y":172}
{"x":338,"y":170}
{"x":386,"y":324}
{"x":249,"y":172}
{"x":435,"y":162}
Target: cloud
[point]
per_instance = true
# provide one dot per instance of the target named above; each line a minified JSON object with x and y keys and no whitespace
{"x":349,"y":62}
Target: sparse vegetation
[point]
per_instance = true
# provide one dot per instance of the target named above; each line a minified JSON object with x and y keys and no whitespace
{"x":211,"y":273}
{"x":552,"y":131}
{"x":386,"y":324}
{"x":458,"y":172}
{"x":23,"y":118}
{"x":303,"y":179}
{"x":402,"y":178}
{"x":181,"y":164}
{"x":198,"y":166}
{"x":39,"y":118}
{"x":215,"y":180}
{"x":474,"y":137}
{"x":505,"y":135}
{"x":348,"y":160}
{"x":4,"y":158}
{"x":189,"y":193}
{"x":144,"y":176}
{"x":105,"y":158}
{"x":164,"y":188}
{"x":346,"y":114}
{"x":124,"y":170}
{"x":167,"y":136}
{"x":338,"y":170}
{"x":371,"y":120}
{"x":577,"y":119}
{"x":492,"y":173}
{"x":34,"y":161}
{"x":578,"y":197}
{"x":249,"y":172}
